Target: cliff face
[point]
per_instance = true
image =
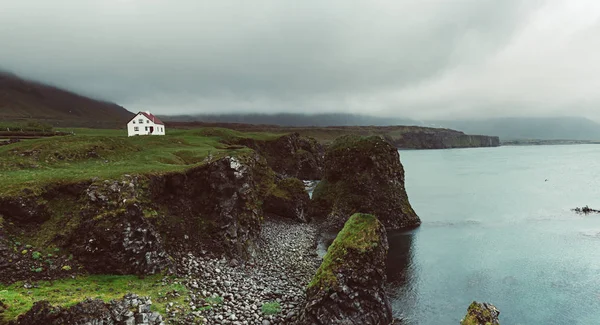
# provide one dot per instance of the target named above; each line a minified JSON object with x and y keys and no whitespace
{"x":349,"y":285}
{"x":290,"y":155}
{"x":442,"y":140}
{"x":136,"y":224}
{"x":363,"y":175}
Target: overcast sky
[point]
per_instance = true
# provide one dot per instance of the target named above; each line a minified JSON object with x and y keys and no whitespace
{"x":418,"y":59}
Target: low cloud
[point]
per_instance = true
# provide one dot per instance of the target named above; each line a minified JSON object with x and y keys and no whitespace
{"x":406,"y":58}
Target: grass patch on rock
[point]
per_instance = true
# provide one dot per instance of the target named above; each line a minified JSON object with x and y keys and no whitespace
{"x":108,"y":154}
{"x":19,"y":297}
{"x":359,"y":235}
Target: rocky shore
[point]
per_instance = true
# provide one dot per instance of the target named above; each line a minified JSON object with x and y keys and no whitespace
{"x":240,"y":293}
{"x":237,"y":235}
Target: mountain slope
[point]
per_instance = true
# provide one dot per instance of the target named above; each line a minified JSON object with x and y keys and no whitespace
{"x":22,"y":99}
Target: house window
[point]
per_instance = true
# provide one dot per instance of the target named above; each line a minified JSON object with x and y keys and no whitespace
{"x":141,"y":121}
{"x":146,"y":128}
{"x":147,"y":121}
{"x":133,"y":121}
{"x":136,"y":128}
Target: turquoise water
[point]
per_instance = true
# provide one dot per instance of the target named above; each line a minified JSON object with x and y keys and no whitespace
{"x":495,"y":230}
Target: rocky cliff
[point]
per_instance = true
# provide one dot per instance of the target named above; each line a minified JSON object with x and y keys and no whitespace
{"x":290,"y":155}
{"x":289,"y":199}
{"x":442,"y":139}
{"x":363,"y":174}
{"x":348,"y":287}
{"x":137,"y":224}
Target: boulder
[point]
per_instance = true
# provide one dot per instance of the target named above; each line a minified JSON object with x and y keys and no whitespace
{"x":349,"y":286}
{"x":363,"y":175}
{"x":481,"y":314}
{"x":130,"y":310}
{"x":290,"y":155}
{"x":289,"y":199}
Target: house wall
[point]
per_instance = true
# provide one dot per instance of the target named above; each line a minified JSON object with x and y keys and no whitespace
{"x":144,"y":127}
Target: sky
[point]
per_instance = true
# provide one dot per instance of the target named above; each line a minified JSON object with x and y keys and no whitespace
{"x":420,"y":59}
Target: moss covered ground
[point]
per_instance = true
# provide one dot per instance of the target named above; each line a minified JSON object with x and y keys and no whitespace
{"x":359,"y":235}
{"x":67,"y":292}
{"x":106,"y":154}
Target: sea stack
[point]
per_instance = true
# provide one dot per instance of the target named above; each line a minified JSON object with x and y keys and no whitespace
{"x":363,"y":175}
{"x":348,"y":287}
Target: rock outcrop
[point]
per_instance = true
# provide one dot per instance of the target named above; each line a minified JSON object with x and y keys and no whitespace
{"x":363,"y":174}
{"x":290,"y":155}
{"x":348,"y":287}
{"x":289,"y":199}
{"x":481,"y":314}
{"x":138,"y":224}
{"x":216,"y":207}
{"x":586,"y":210}
{"x":131,"y":310}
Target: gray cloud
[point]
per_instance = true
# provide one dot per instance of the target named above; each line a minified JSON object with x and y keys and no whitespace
{"x":418,"y":59}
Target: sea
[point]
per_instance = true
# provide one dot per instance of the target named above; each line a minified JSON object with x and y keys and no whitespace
{"x":498,"y":227}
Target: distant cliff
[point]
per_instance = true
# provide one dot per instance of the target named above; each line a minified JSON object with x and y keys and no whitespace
{"x":404,"y":137}
{"x":442,"y":139}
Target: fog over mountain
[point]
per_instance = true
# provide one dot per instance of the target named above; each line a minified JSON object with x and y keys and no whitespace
{"x":434,"y":60}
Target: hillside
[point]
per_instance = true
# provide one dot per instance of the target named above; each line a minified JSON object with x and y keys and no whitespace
{"x":22,"y":99}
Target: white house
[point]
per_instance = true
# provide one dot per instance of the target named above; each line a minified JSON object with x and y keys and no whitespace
{"x":144,"y":123}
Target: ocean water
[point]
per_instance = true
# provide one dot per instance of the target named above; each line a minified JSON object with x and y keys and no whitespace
{"x":498,"y":227}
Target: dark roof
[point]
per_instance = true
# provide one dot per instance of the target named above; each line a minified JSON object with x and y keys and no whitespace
{"x":149,"y":116}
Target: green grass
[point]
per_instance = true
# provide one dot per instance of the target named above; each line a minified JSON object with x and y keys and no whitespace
{"x":107,"y":154}
{"x":271,"y":308}
{"x":69,"y":292}
{"x":359,"y":235}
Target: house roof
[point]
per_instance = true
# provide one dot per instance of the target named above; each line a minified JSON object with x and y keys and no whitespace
{"x":149,"y":116}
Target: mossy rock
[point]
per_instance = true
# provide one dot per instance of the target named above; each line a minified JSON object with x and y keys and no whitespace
{"x":350,"y":283}
{"x":481,"y":314}
{"x":288,"y":199}
{"x":360,"y":235}
{"x":363,"y":175}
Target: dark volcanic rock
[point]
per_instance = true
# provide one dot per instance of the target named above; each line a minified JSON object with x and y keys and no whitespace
{"x":290,"y":155}
{"x":130,"y":310}
{"x":121,"y":242}
{"x":586,"y":210}
{"x":24,"y":208}
{"x":288,"y":200}
{"x":481,"y":314}
{"x":216,"y":206}
{"x":349,"y":285}
{"x":137,"y":224}
{"x":363,"y":174}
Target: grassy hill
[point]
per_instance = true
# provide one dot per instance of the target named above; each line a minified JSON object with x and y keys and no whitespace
{"x":24,"y":100}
